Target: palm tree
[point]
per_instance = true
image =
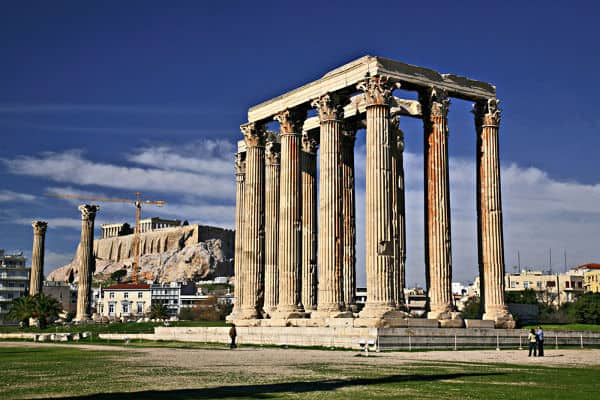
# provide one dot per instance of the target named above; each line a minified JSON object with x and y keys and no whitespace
{"x":39,"y":307}
{"x":46,"y":308}
{"x":20,"y":309}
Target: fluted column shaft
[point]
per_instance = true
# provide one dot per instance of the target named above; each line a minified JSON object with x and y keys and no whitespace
{"x":437,"y":208}
{"x":490,"y":214}
{"x":37,"y":257}
{"x":330,"y":205}
{"x":254,"y":222}
{"x":309,"y":222}
{"x":379,"y":241}
{"x":272,"y":163}
{"x":290,"y":222}
{"x":240,"y":176}
{"x":86,"y":261}
{"x":348,"y":219}
{"x":398,"y":205}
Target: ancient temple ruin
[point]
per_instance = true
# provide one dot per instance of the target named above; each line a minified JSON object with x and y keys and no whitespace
{"x":280,"y":250}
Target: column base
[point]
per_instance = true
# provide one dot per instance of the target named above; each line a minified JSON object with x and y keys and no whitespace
{"x":501,"y":317}
{"x":331,"y":314}
{"x":440,"y":312}
{"x":249,"y":313}
{"x":387,"y":319}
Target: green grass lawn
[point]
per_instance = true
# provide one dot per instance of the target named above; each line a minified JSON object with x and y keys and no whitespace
{"x":566,"y":327}
{"x":71,"y":372}
{"x":117,"y":327}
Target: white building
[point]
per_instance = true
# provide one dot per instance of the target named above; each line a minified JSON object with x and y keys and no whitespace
{"x":14,"y":279}
{"x":125,"y":301}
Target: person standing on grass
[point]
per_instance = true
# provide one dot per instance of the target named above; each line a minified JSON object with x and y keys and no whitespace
{"x":232,"y":335}
{"x":532,"y":339}
{"x":540,"y":341}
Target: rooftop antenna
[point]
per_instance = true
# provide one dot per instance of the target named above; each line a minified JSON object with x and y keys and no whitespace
{"x":550,"y":253}
{"x":565,"y":260}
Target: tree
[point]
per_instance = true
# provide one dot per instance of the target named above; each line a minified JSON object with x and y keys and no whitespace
{"x":586,"y":309}
{"x":471,"y":310}
{"x":40,"y":307}
{"x":20,"y":309}
{"x":118,"y":275}
{"x":158,"y":311}
{"x":45,"y":309}
{"x":527,"y":296}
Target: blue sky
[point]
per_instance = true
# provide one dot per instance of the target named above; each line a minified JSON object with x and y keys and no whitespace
{"x":112,"y":97}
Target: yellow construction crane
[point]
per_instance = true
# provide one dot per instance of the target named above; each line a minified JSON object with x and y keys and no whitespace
{"x":138,"y":216}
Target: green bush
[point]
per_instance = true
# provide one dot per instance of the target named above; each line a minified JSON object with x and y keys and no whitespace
{"x":40,"y":307}
{"x":472,"y":308}
{"x":586,"y":309}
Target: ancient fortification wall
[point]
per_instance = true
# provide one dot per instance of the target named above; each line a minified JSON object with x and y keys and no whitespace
{"x":159,"y":241}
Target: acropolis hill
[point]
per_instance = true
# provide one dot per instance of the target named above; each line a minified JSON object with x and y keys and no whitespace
{"x":167,"y":255}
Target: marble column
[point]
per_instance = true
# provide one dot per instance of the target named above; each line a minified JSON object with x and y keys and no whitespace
{"x":36,"y":278}
{"x":379,"y":253}
{"x":86,"y":261}
{"x":309,"y":221}
{"x":272,"y":163}
{"x":491,"y":238}
{"x":435,"y":104}
{"x":240,"y":176}
{"x":290,"y":221}
{"x":330,"y":248}
{"x":398,"y":211}
{"x":253,"y":247}
{"x":348,"y":218}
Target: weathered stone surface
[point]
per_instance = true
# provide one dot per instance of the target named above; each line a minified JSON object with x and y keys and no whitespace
{"x":86,"y":261}
{"x":478,"y":323}
{"x":309,"y":221}
{"x":354,"y":72}
{"x":240,"y":177}
{"x":437,"y":207}
{"x":204,"y":260}
{"x":272,"y":176}
{"x":491,"y":238}
{"x":37,"y":257}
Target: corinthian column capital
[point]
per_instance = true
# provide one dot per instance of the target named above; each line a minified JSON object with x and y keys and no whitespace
{"x":39,"y":227}
{"x":254,"y":134}
{"x":273,"y":149}
{"x":240,"y":163}
{"x":435,"y":102}
{"x":329,"y":107}
{"x":310,"y":144}
{"x":291,"y":121}
{"x":378,"y":90}
{"x":487,"y":113}
{"x":88,"y":211}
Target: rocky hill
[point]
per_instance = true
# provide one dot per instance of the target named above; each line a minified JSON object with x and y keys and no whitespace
{"x":176,"y":254}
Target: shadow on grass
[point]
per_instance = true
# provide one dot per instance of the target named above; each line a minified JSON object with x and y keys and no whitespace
{"x":266,"y":391}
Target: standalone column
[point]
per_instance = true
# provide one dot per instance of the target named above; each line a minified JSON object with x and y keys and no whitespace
{"x":240,"y":176}
{"x":437,"y":207}
{"x":491,"y":239}
{"x":330,"y":250}
{"x":253,"y":246}
{"x":348,"y":218}
{"x":309,"y":221}
{"x":272,"y":158}
{"x":399,"y":221}
{"x":86,"y":261}
{"x":37,"y":257}
{"x":290,"y":222}
{"x":378,"y":217}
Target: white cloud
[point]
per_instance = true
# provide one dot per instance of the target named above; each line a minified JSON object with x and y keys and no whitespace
{"x":53,"y":223}
{"x":539,"y":212}
{"x":208,"y":157}
{"x":9,"y":195}
{"x":71,"y":167}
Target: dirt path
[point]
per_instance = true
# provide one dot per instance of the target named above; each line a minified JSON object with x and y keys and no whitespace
{"x":265,"y":359}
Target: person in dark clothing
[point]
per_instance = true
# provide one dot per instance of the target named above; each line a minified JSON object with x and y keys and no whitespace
{"x":540,"y":341}
{"x":232,"y":335}
{"x":532,"y":339}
